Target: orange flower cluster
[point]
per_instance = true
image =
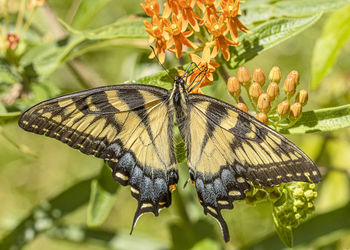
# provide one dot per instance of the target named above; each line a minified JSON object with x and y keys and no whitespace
{"x":200,"y":25}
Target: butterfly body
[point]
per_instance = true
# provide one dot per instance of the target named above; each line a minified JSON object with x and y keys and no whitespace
{"x":131,"y":127}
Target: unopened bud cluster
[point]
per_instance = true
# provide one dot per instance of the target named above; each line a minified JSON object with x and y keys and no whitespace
{"x":262,"y":193}
{"x":262,"y":95}
{"x":295,"y":204}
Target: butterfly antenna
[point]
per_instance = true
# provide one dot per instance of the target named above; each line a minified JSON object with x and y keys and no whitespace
{"x":205,"y":70}
{"x":188,"y":71}
{"x":154,"y":52}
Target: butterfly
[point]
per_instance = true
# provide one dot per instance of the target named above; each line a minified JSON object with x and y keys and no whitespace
{"x":132,"y":128}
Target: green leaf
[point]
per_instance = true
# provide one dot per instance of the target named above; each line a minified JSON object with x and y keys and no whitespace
{"x":8,"y":73}
{"x":86,"y":12}
{"x":267,"y":36}
{"x":45,"y":215}
{"x":207,"y":244}
{"x":260,"y":11}
{"x":160,"y":79}
{"x":102,"y":197}
{"x":124,"y":28}
{"x":310,"y":230}
{"x":285,"y":233}
{"x":105,"y":238}
{"x":321,"y":120}
{"x":8,"y":116}
{"x":335,"y":33}
{"x":47,"y":57}
{"x":186,"y":235}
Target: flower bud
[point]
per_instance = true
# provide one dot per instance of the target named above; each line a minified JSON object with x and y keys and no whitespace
{"x":262,"y":117}
{"x":295,"y":110}
{"x":259,"y":76}
{"x":298,"y":203}
{"x":289,"y":86}
{"x":283,"y":108}
{"x":242,"y":107}
{"x":297,"y":216}
{"x":309,"y":194}
{"x":275,"y":75}
{"x":298,"y":192}
{"x":302,"y":97}
{"x":273,"y":90}
{"x":264,"y":103}
{"x":295,"y":75}
{"x":310,"y":204}
{"x":233,"y":86}
{"x":244,"y":76}
{"x":255,"y":90}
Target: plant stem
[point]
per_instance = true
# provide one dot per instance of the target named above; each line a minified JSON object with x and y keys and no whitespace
{"x":20,"y":16}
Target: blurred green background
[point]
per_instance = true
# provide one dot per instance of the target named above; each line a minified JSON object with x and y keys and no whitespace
{"x":34,"y":168}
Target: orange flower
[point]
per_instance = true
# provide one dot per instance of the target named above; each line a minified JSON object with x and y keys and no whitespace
{"x":209,"y":9}
{"x":218,"y":29}
{"x":12,"y":40}
{"x":151,"y":7}
{"x":178,"y":38}
{"x":205,"y":62}
{"x":230,"y":10}
{"x":155,"y":29}
{"x":35,"y":3}
{"x":171,"y":6}
{"x":188,"y":14}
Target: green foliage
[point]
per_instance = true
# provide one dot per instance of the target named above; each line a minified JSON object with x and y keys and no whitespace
{"x":40,"y":63}
{"x":102,"y":197}
{"x":321,"y":120}
{"x":336,"y":32}
{"x":268,"y":35}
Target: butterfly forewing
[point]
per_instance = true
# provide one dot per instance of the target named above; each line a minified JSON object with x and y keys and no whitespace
{"x":130,"y":126}
{"x":228,"y":149}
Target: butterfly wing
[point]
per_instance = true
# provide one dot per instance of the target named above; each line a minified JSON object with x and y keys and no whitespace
{"x":130,"y":126}
{"x":228,"y":148}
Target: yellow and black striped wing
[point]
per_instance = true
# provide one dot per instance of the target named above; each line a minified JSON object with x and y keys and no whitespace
{"x":228,"y":148}
{"x":130,"y":126}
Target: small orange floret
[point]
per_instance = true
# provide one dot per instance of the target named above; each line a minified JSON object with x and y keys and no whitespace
{"x":171,"y":6}
{"x":178,"y":38}
{"x":155,"y":29}
{"x":188,"y":14}
{"x":151,"y":7}
{"x":172,"y":187}
{"x":218,"y":29}
{"x":230,"y":10}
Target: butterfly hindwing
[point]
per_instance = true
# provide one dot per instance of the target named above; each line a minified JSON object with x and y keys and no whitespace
{"x":228,"y":149}
{"x":130,"y":126}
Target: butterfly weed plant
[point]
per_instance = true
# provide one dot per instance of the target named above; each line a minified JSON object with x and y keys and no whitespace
{"x":214,"y":37}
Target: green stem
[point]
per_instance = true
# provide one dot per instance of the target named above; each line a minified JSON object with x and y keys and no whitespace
{"x":20,"y":16}
{"x":28,"y":22}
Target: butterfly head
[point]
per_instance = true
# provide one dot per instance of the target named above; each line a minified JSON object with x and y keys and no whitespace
{"x":179,"y":80}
